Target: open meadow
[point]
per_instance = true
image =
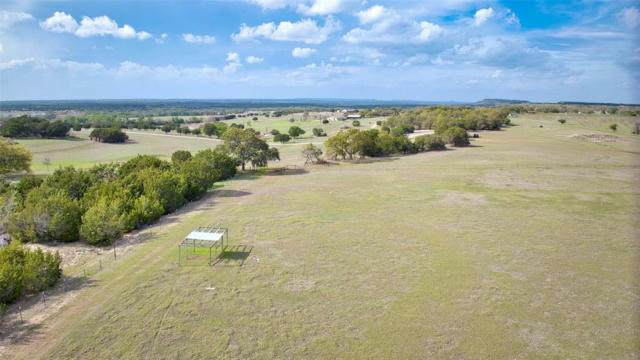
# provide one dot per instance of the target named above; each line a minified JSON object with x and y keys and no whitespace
{"x":78,"y":150}
{"x":523,"y":245}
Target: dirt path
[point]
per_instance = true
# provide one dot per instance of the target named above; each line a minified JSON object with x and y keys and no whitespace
{"x":45,"y":326}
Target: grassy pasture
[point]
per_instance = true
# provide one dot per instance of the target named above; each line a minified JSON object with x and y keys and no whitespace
{"x":79,"y":151}
{"x":522,"y":246}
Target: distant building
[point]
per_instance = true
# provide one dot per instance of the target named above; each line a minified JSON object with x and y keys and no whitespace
{"x":354,"y":116}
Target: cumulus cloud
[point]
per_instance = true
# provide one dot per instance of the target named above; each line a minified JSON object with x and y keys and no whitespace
{"x":8,"y":18}
{"x":394,"y":28}
{"x":254,"y":59}
{"x":61,"y":22}
{"x":305,"y":30}
{"x":302,"y":52}
{"x":233,"y":56}
{"x":371,"y":14}
{"x":271,"y":4}
{"x":325,"y":7}
{"x":481,"y":16}
{"x":198,"y":39}
{"x":233,"y":62}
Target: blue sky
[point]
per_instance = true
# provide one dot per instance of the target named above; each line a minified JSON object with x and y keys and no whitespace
{"x":447,"y":50}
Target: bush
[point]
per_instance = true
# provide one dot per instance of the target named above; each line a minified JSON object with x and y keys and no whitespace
{"x":48,"y":215}
{"x":108,"y":135}
{"x":180,"y":156}
{"x":318,"y":132}
{"x":325,"y":121}
{"x":562,"y":121}
{"x":283,"y":138}
{"x":295,"y":131}
{"x":274,"y":132}
{"x":429,"y":142}
{"x":613,"y":127}
{"x":209,"y":129}
{"x":355,"y":123}
{"x":102,"y":224}
{"x":456,"y":136}
{"x":24,"y":271}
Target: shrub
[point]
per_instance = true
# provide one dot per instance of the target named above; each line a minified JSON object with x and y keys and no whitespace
{"x":24,"y":271}
{"x":325,"y":121}
{"x":311,"y":153}
{"x":196,"y":131}
{"x":355,"y":123}
{"x":48,"y":215}
{"x":318,"y":132}
{"x":102,"y":224}
{"x":275,"y":132}
{"x":562,"y":121}
{"x":209,"y":129}
{"x":180,"y":156}
{"x":613,"y":127}
{"x":255,"y":118}
{"x":429,"y":142}
{"x":295,"y":131}
{"x":283,"y":138}
{"x":456,"y":136}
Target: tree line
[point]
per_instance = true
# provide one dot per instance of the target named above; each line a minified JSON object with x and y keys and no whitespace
{"x":443,"y":117}
{"x":352,"y":143}
{"x":27,"y":126}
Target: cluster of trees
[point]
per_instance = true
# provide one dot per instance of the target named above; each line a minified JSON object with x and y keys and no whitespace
{"x":24,"y":271}
{"x":13,"y":158}
{"x":99,"y":204}
{"x":108,"y":135}
{"x":443,"y":117}
{"x":246,"y":147}
{"x":27,"y":126}
{"x":214,"y":128}
{"x":374,"y":143}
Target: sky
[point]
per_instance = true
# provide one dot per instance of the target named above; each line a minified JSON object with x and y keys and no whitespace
{"x":444,"y":50}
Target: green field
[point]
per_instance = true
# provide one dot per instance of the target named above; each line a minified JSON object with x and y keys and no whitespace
{"x":78,"y":150}
{"x":524,"y":246}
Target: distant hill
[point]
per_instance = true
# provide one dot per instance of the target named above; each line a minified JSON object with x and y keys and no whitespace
{"x":496,"y":102}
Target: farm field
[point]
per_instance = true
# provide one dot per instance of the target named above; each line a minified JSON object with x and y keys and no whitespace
{"x":523,"y":245}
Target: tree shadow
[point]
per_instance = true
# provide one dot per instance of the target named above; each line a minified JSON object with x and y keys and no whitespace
{"x":286,"y":171}
{"x":13,"y":330}
{"x":231,"y":193}
{"x":234,"y":256}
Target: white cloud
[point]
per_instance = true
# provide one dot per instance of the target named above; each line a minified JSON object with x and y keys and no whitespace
{"x":394,"y":28}
{"x":162,"y":38}
{"x":305,"y":30}
{"x":62,"y":22}
{"x":15,"y":63}
{"x":1,"y":48}
{"x":231,"y":67}
{"x":271,"y":4}
{"x":233,"y":56}
{"x":254,"y":59}
{"x":8,"y":18}
{"x":372,"y":14}
{"x":46,"y":64}
{"x":199,"y":39}
{"x":630,"y":17}
{"x":325,"y":7}
{"x":143,"y":35}
{"x":481,"y":16}
{"x":302,"y":52}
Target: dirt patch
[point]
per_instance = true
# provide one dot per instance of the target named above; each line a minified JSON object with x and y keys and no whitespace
{"x":596,"y":138}
{"x":458,"y":198}
{"x":300,"y":284}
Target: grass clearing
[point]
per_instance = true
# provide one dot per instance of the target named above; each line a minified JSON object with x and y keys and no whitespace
{"x":523,"y":246}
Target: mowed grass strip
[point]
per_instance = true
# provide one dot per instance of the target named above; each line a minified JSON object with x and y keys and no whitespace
{"x":523,"y":246}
